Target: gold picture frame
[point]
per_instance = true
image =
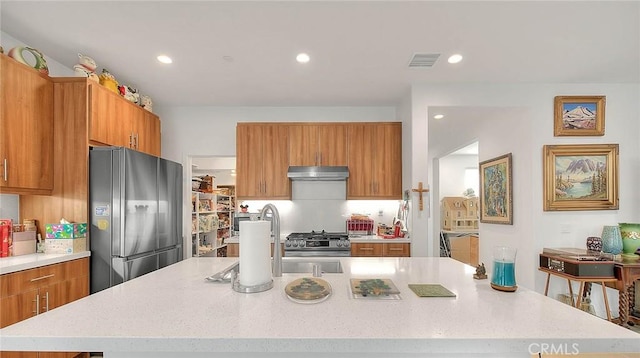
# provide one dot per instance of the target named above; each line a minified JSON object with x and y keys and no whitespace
{"x":579,"y":116}
{"x":581,"y":177}
{"x":496,"y":191}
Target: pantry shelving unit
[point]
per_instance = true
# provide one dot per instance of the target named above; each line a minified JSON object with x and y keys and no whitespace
{"x":205,"y":225}
{"x":225,"y":208}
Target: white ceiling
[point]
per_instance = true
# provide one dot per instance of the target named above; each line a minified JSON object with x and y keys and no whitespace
{"x":359,"y":50}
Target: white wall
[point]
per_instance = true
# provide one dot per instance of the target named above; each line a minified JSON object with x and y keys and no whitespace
{"x":452,"y":175}
{"x":526,"y":126}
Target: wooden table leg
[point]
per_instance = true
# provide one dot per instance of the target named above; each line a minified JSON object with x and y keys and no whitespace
{"x":580,"y":292}
{"x":623,"y":303}
{"x":606,"y":301}
{"x":546,"y":287}
{"x":571,"y":292}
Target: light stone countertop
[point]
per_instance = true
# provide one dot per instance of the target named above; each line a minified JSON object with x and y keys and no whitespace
{"x":174,"y":312}
{"x":25,"y":262}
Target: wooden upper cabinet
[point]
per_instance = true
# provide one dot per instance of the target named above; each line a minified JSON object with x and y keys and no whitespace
{"x":303,"y":145}
{"x":115,"y":121}
{"x":375,"y":161}
{"x":248,"y":165}
{"x":388,"y":160}
{"x":333,"y":145}
{"x":102,"y":116}
{"x":318,"y":145}
{"x":262,"y":161}
{"x":275,"y":149}
{"x":26,"y":128}
{"x":147,"y":129}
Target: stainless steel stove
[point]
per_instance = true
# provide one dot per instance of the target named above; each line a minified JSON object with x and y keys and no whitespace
{"x":317,"y":243}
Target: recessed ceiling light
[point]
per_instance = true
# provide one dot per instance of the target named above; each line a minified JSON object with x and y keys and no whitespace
{"x":455,"y":58}
{"x":164,"y":59}
{"x":438,"y":116}
{"x":302,"y":58}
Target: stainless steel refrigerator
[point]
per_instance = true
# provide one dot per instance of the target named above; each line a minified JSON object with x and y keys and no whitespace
{"x":136,"y":214}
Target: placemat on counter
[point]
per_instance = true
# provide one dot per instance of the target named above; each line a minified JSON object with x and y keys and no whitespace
{"x":430,"y":290}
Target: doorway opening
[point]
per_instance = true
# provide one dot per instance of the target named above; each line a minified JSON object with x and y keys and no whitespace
{"x":210,"y":204}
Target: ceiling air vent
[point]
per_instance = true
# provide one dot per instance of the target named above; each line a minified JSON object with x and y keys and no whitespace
{"x":423,"y":60}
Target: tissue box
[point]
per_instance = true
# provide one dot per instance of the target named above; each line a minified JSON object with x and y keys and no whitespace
{"x":24,"y":243}
{"x":66,"y":231}
{"x":65,"y":246}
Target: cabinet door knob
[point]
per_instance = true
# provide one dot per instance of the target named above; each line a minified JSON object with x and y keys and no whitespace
{"x":4,"y":169}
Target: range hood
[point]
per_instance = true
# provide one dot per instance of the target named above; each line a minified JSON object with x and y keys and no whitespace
{"x":314,"y":173}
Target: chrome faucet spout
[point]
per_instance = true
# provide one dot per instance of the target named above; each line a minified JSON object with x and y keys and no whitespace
{"x":275,"y":226}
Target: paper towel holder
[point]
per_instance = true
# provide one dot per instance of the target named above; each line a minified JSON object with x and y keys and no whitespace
{"x":238,"y":287}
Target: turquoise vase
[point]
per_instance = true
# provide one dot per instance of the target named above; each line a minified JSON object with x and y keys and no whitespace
{"x":611,"y":240}
{"x":630,"y":233}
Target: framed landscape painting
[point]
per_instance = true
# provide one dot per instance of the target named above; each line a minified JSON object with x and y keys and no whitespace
{"x":579,"y":116}
{"x":581,"y":177}
{"x":496,"y":204}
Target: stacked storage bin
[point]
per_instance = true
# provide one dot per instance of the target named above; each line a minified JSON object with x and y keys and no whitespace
{"x":65,"y":238}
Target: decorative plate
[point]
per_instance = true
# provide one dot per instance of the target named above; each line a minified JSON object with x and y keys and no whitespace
{"x":308,"y":290}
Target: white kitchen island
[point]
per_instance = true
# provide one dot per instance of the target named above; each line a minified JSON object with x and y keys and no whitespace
{"x":174,"y":312}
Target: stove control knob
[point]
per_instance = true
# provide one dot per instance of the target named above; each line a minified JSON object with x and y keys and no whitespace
{"x":346,"y":244}
{"x":339,"y":244}
{"x":287,"y":244}
{"x":295,"y":244}
{"x":302,"y":243}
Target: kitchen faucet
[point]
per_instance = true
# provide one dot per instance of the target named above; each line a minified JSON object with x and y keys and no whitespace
{"x":275,"y":224}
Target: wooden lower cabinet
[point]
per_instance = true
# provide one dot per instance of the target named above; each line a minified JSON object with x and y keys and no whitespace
{"x":233,"y":250}
{"x":380,"y":249}
{"x":366,"y":249}
{"x":396,"y":250}
{"x":465,"y":249}
{"x":27,"y":293}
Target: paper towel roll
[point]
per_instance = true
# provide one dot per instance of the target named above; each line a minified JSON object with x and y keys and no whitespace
{"x":255,"y":252}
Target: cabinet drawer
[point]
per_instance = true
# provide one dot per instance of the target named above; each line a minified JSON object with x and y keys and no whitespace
{"x":396,"y":250}
{"x":14,"y":283}
{"x":366,"y":249}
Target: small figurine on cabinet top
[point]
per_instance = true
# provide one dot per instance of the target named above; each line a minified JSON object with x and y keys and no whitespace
{"x":481,"y":272}
{"x":109,"y":81}
{"x":129,"y":93}
{"x":146,"y":103}
{"x":86,"y":67}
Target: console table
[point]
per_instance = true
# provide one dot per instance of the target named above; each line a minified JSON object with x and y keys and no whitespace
{"x":626,"y":274}
{"x":583,"y":281}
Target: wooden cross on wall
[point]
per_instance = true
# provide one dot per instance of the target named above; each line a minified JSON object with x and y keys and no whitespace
{"x":420,"y":190}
